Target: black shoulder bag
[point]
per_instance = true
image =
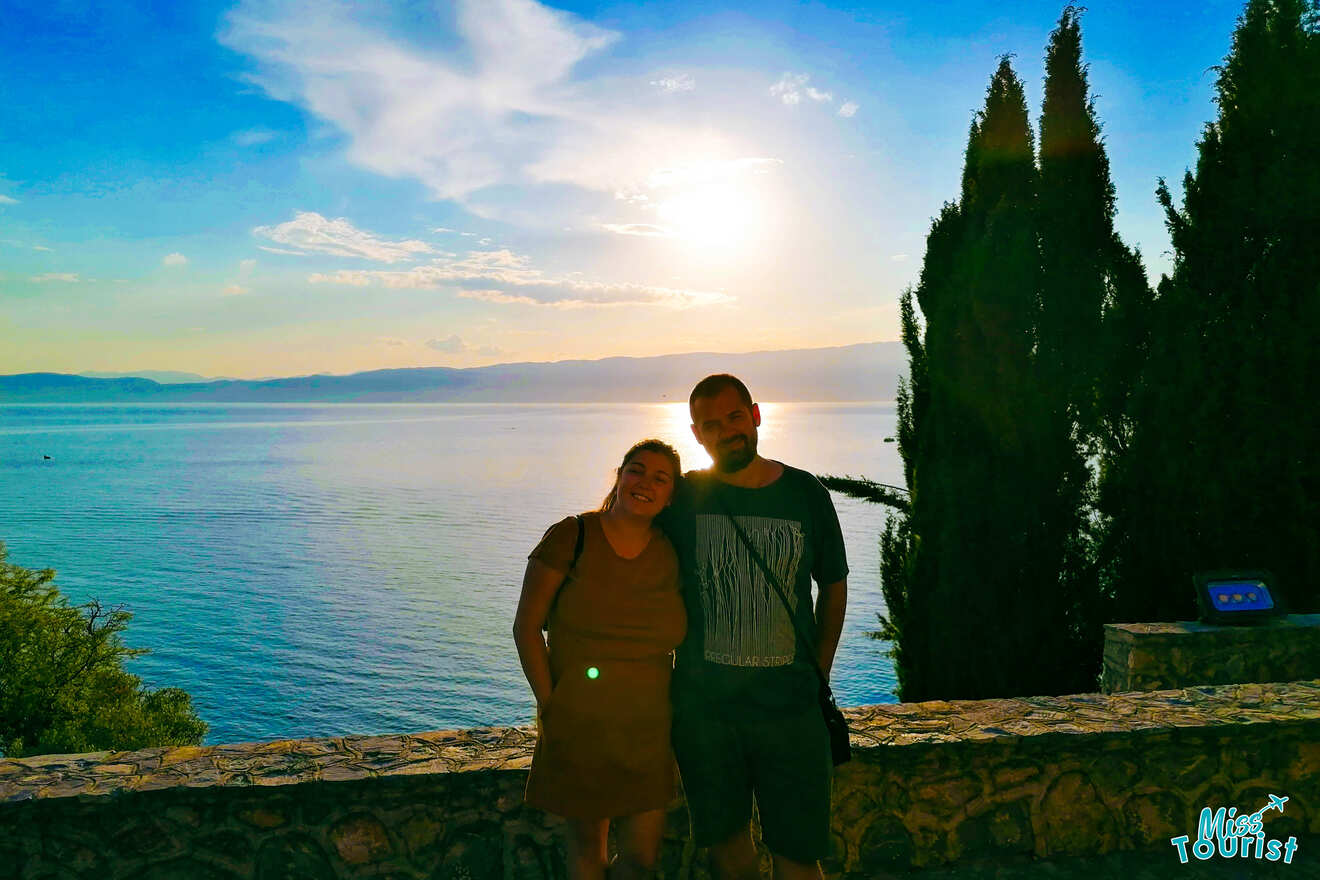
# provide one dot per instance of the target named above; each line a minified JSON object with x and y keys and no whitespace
{"x":577,"y":554}
{"x":835,"y":723}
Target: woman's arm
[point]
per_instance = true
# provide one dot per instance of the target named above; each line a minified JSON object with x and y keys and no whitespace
{"x":540,"y":584}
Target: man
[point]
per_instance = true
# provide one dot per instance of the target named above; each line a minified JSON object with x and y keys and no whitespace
{"x":747,"y":724}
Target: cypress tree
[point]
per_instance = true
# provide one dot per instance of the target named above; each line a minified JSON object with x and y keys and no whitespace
{"x":1077,"y":228}
{"x":908,"y":649}
{"x":1089,"y":344}
{"x":964,"y":575}
{"x":1221,"y":469}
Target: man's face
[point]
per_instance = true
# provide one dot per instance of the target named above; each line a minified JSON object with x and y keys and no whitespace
{"x":726,"y":428}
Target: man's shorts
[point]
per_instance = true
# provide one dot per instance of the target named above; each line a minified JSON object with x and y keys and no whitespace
{"x":785,"y":763}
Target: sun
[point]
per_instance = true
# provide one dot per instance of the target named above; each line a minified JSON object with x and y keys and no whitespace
{"x":715,"y":216}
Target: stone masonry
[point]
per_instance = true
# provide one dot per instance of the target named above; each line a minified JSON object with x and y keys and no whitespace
{"x":941,"y":786}
{"x":1155,"y":656}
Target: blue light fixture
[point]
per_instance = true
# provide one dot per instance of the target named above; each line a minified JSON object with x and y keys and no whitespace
{"x":1237,"y":596}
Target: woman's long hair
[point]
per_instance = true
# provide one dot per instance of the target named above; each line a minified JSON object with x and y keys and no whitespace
{"x":650,"y":444}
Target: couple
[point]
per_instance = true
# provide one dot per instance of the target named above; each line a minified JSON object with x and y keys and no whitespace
{"x":745,"y":720}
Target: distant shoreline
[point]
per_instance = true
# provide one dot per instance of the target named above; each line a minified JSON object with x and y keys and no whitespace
{"x":847,"y":374}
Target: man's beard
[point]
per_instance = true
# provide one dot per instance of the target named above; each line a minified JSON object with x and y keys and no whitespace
{"x":733,"y":459}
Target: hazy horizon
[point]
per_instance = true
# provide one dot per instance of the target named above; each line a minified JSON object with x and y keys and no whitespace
{"x":145,"y":373}
{"x":864,"y":372}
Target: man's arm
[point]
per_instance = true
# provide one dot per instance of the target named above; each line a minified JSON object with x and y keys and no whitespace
{"x":831,"y":603}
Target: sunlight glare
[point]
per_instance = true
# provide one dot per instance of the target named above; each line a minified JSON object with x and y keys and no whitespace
{"x":717,"y":216}
{"x":677,"y":429}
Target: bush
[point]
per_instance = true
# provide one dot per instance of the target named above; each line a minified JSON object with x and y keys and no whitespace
{"x":63,"y":687}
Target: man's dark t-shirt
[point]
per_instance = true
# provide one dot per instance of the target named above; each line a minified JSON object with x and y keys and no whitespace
{"x":742,"y":657}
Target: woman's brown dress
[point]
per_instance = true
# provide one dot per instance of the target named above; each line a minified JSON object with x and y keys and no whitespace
{"x":603,"y":749}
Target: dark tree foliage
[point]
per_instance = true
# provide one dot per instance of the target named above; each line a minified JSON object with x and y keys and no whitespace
{"x":1221,"y":466}
{"x":63,"y":687}
{"x":1077,"y":227}
{"x":1090,"y":330}
{"x":1221,"y":469}
{"x":1075,"y":447}
{"x":896,"y":544}
{"x":970,"y":572}
{"x":1017,"y":403}
{"x":867,"y":490}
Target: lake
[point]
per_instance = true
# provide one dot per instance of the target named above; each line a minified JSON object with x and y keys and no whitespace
{"x":324,"y":570}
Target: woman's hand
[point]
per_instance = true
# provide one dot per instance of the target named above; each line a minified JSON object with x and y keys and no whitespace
{"x":540,"y":584}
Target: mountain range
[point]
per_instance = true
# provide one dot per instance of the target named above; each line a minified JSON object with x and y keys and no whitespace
{"x":868,"y":371}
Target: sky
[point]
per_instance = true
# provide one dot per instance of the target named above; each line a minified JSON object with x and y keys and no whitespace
{"x":272,"y":188}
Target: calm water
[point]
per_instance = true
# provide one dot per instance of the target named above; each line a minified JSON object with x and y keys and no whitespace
{"x":319,"y":570}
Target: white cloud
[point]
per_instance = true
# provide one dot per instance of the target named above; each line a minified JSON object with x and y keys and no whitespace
{"x":701,"y":173}
{"x":635,"y":198}
{"x":455,"y":345}
{"x":497,"y":104}
{"x":664,"y":181}
{"x":457,"y":121}
{"x":175,"y":259}
{"x":792,"y":88}
{"x":451,"y":345}
{"x":645,"y":229}
{"x":70,"y":277}
{"x":6,"y":200}
{"x":671,"y":84}
{"x":254,"y":136}
{"x":505,"y":277}
{"x":899,"y":258}
{"x":848,"y":109}
{"x":37,"y":247}
{"x":310,"y":233}
{"x":245,"y":268}
{"x":352,"y":278}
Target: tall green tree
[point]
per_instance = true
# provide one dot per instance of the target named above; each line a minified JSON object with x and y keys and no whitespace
{"x":63,"y":687}
{"x":1221,"y":468}
{"x":1090,"y":344}
{"x":1086,"y":269}
{"x":967,"y":568}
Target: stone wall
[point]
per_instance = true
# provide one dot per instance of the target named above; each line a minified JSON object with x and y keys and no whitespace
{"x":1155,"y":656}
{"x":969,"y":783}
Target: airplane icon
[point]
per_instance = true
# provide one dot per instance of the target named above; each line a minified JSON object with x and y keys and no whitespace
{"x":1276,"y":803}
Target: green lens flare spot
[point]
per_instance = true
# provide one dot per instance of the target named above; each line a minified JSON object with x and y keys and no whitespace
{"x":593,"y":672}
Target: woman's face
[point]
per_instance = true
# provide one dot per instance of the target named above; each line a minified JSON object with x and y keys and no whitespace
{"x":645,"y":484}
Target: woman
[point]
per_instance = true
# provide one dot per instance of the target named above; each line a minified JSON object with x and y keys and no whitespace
{"x":614,"y":616}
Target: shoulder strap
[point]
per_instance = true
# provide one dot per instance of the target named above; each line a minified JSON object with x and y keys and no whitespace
{"x":577,"y":554}
{"x":779,"y":590}
{"x":577,"y":547}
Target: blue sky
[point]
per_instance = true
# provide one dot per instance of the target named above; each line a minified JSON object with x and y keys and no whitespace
{"x":278,"y":188}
